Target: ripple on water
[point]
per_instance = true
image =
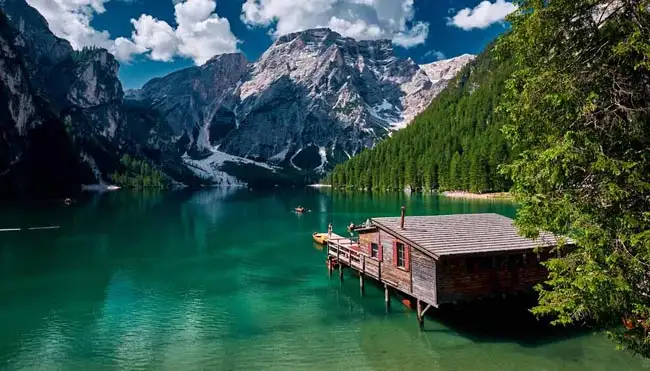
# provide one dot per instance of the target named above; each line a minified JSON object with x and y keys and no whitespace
{"x":213,"y":281}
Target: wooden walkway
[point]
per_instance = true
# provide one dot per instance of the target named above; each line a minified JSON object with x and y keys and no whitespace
{"x":348,"y":252}
{"x":343,"y":251}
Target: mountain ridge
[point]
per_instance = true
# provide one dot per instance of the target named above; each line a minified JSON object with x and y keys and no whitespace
{"x":323,"y":97}
{"x":312,"y":100}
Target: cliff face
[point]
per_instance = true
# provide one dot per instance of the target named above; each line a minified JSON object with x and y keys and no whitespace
{"x":312,"y":100}
{"x":41,"y":51}
{"x":198,"y":102}
{"x":76,"y":98}
{"x":36,"y":153}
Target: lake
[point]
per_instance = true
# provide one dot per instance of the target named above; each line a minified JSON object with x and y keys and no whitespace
{"x":225,"y":280}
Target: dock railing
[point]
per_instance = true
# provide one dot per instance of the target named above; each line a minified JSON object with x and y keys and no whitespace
{"x":347,"y":251}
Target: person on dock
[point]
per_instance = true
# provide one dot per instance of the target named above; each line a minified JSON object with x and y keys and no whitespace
{"x":329,"y":231}
{"x":351,"y":228}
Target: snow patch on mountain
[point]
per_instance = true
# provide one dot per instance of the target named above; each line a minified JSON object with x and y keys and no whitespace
{"x":322,"y":152}
{"x":310,"y":90}
{"x":209,"y":168}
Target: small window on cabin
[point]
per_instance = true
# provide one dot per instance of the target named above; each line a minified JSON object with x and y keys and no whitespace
{"x":401,"y":255}
{"x":374,"y":250}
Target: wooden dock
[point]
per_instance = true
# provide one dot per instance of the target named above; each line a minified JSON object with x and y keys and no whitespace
{"x":442,"y":259}
{"x":348,"y":252}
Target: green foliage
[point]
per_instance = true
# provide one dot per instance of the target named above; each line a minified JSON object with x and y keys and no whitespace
{"x":456,"y":143}
{"x":578,"y":109}
{"x":80,"y":56}
{"x":138,"y":174}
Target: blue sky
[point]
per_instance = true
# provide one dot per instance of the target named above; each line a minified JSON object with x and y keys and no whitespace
{"x":154,"y":37}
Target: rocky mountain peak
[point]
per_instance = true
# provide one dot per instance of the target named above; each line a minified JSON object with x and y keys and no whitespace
{"x":446,"y":69}
{"x":34,"y":36}
{"x":312,"y":36}
{"x":226,"y":59}
{"x":33,"y":39}
{"x":94,"y":78}
{"x":313,"y":99}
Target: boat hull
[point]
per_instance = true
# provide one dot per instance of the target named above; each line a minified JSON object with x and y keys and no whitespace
{"x":320,"y":238}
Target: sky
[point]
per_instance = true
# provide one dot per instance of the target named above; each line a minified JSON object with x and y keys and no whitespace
{"x":152,"y":38}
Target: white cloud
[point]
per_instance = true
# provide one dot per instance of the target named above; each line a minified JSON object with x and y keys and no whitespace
{"x":360,"y":19}
{"x":124,"y":49}
{"x":70,"y":19}
{"x":199,"y":35}
{"x":156,"y":37}
{"x":483,"y":15}
{"x":201,"y":32}
{"x":413,"y":36}
{"x":435,"y":54}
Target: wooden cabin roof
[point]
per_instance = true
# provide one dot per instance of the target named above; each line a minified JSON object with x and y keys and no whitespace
{"x":462,"y":234}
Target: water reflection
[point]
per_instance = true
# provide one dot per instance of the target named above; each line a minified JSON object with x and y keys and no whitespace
{"x":224,"y":279}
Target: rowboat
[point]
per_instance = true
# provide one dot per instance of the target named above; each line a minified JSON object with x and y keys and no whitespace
{"x":320,"y":238}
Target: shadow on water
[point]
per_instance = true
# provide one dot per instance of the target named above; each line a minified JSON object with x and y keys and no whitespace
{"x":239,"y":270}
{"x":496,"y":320}
{"x":503,"y":320}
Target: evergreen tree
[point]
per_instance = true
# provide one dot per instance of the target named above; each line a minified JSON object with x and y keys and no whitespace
{"x":579,"y":110}
{"x":462,"y":119}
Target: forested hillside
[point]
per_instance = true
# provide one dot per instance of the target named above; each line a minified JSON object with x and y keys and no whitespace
{"x":456,"y":144}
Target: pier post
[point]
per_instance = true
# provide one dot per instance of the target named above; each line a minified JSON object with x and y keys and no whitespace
{"x":338,"y":262}
{"x":420,"y":315}
{"x":329,"y":266}
{"x":387,"y":297}
{"x":363,"y":271}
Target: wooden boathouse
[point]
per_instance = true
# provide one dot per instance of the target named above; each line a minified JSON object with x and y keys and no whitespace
{"x":443,"y":259}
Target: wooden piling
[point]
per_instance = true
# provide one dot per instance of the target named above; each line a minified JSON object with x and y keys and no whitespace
{"x":361,"y":274}
{"x":387,"y":297}
{"x":338,"y":262}
{"x":329,"y":266}
{"x":420,"y":316}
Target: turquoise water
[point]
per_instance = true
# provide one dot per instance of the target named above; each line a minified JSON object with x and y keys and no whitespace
{"x":231,"y":280}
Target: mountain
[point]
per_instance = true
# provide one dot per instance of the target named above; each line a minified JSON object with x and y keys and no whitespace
{"x":35,"y":149}
{"x":65,"y":122}
{"x":456,"y":144}
{"x":446,"y":69}
{"x":312,"y":100}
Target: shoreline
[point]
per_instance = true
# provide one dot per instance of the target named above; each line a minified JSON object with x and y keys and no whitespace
{"x":478,"y":196}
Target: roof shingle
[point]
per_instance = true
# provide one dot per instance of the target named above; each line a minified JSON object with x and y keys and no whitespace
{"x":462,"y":234}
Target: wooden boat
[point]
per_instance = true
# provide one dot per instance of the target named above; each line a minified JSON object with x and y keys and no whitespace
{"x":320,"y":238}
{"x":300,"y":210}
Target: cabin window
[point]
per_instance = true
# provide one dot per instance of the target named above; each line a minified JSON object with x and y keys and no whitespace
{"x":374,"y":250}
{"x":401,"y":255}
